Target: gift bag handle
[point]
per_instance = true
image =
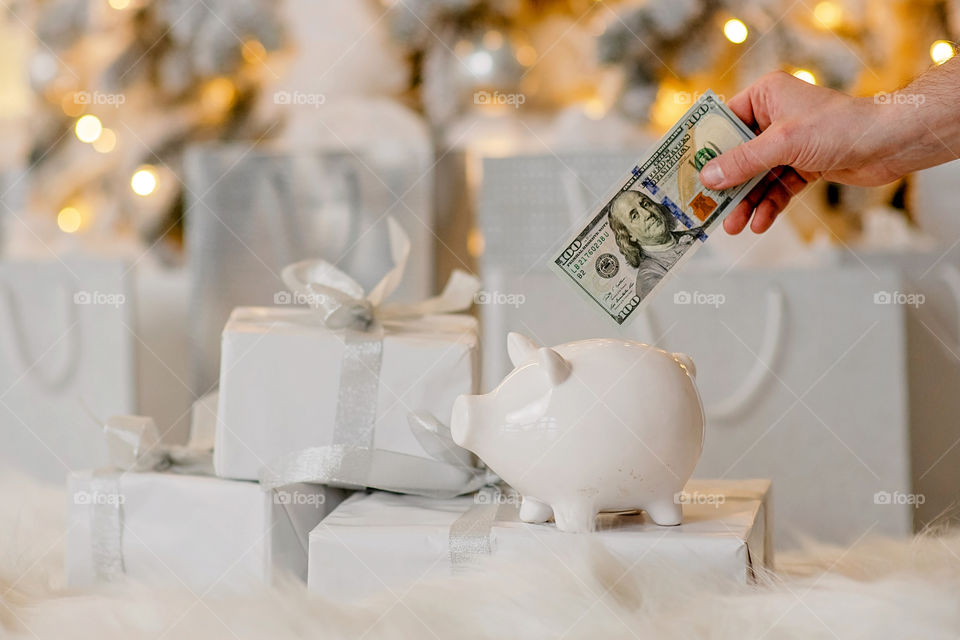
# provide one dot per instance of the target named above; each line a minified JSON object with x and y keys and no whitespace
{"x":58,"y":375}
{"x":770,"y":347}
{"x":950,"y":276}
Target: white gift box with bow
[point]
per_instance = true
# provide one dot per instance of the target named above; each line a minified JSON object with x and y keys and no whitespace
{"x":325,"y":394}
{"x":375,"y":542}
{"x":149,"y":520}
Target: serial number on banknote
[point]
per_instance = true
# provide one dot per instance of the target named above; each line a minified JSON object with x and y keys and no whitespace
{"x":658,"y":216}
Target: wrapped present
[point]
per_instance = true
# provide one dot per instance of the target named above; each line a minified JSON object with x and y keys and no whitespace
{"x":326,"y":394}
{"x":151,"y":519}
{"x":377,"y":541}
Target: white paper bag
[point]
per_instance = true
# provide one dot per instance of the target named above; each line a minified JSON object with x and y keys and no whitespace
{"x":280,"y":385}
{"x":252,"y":212}
{"x":803,"y":374}
{"x":65,"y":342}
{"x":378,"y":541}
{"x":198,"y":531}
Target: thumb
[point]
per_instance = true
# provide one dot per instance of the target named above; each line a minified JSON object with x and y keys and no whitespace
{"x":745,"y":161}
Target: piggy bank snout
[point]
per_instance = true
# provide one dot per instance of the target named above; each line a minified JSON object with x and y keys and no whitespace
{"x":460,"y":421}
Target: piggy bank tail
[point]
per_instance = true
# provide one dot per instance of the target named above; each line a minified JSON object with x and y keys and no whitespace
{"x":687,"y":363}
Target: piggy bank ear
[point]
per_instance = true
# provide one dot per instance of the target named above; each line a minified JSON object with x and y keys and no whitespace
{"x":521,"y":349}
{"x":554,"y":365}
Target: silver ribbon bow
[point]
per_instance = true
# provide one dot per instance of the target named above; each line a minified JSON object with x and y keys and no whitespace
{"x":358,"y":467}
{"x":350,"y":459}
{"x":133,"y":446}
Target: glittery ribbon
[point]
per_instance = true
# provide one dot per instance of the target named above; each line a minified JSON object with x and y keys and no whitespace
{"x":357,"y":466}
{"x":469,"y":537}
{"x":340,"y":304}
{"x":133,"y":445}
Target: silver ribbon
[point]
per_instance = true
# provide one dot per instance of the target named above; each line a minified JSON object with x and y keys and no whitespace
{"x":469,"y":537}
{"x":351,"y":459}
{"x":354,"y":466}
{"x":133,"y":445}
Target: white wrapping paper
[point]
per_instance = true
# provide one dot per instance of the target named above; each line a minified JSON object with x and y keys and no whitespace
{"x":198,"y":531}
{"x":280,"y":384}
{"x":378,"y":541}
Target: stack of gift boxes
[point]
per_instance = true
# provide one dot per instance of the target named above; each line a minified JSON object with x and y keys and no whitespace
{"x":332,"y":462}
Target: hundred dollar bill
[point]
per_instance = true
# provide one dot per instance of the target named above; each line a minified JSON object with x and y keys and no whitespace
{"x":658,"y":216}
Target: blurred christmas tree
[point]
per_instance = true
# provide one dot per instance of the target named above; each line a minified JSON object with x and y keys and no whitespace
{"x":643,"y":62}
{"x":661,"y":48}
{"x":116,"y":89}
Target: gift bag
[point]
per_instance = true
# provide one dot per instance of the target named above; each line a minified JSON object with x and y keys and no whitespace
{"x":803,"y":372}
{"x":930,"y":299}
{"x":66,"y":353}
{"x":252,"y":212}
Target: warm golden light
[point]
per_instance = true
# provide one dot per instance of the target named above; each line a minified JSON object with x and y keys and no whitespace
{"x":119,"y":5}
{"x":492,"y":40}
{"x":941,"y":51}
{"x":71,"y":104}
{"x":144,"y":181}
{"x":253,"y":51}
{"x":735,"y":31}
{"x":526,"y":55}
{"x":475,"y":242}
{"x":107,"y":141}
{"x":806,"y":76}
{"x":88,"y":128}
{"x":669,"y":107}
{"x":69,"y":220}
{"x":219,"y":94}
{"x":829,"y":14}
{"x":594,"y":108}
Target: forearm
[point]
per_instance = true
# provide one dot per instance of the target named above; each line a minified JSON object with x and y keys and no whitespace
{"x":923,"y":119}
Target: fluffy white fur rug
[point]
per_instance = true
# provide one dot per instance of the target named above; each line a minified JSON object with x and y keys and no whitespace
{"x":877,"y":589}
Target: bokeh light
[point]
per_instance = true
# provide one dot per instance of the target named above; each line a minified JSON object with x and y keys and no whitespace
{"x":144,"y":181}
{"x":941,"y":51}
{"x":88,"y":128}
{"x":735,"y":31}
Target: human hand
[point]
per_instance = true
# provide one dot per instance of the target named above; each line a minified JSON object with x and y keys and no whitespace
{"x":806,"y":132}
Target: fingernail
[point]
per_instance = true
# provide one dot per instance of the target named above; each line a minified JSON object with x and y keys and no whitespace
{"x":711,"y":174}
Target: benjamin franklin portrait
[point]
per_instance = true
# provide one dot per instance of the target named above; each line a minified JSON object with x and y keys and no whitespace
{"x":646,"y":234}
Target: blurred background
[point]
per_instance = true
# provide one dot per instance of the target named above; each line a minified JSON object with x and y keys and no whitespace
{"x":162,"y":160}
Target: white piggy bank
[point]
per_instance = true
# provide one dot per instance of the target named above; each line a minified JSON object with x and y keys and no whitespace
{"x":588,"y":426}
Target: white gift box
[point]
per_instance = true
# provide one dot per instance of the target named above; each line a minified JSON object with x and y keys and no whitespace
{"x":378,"y":541}
{"x":280,"y":384}
{"x":200,"y":531}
